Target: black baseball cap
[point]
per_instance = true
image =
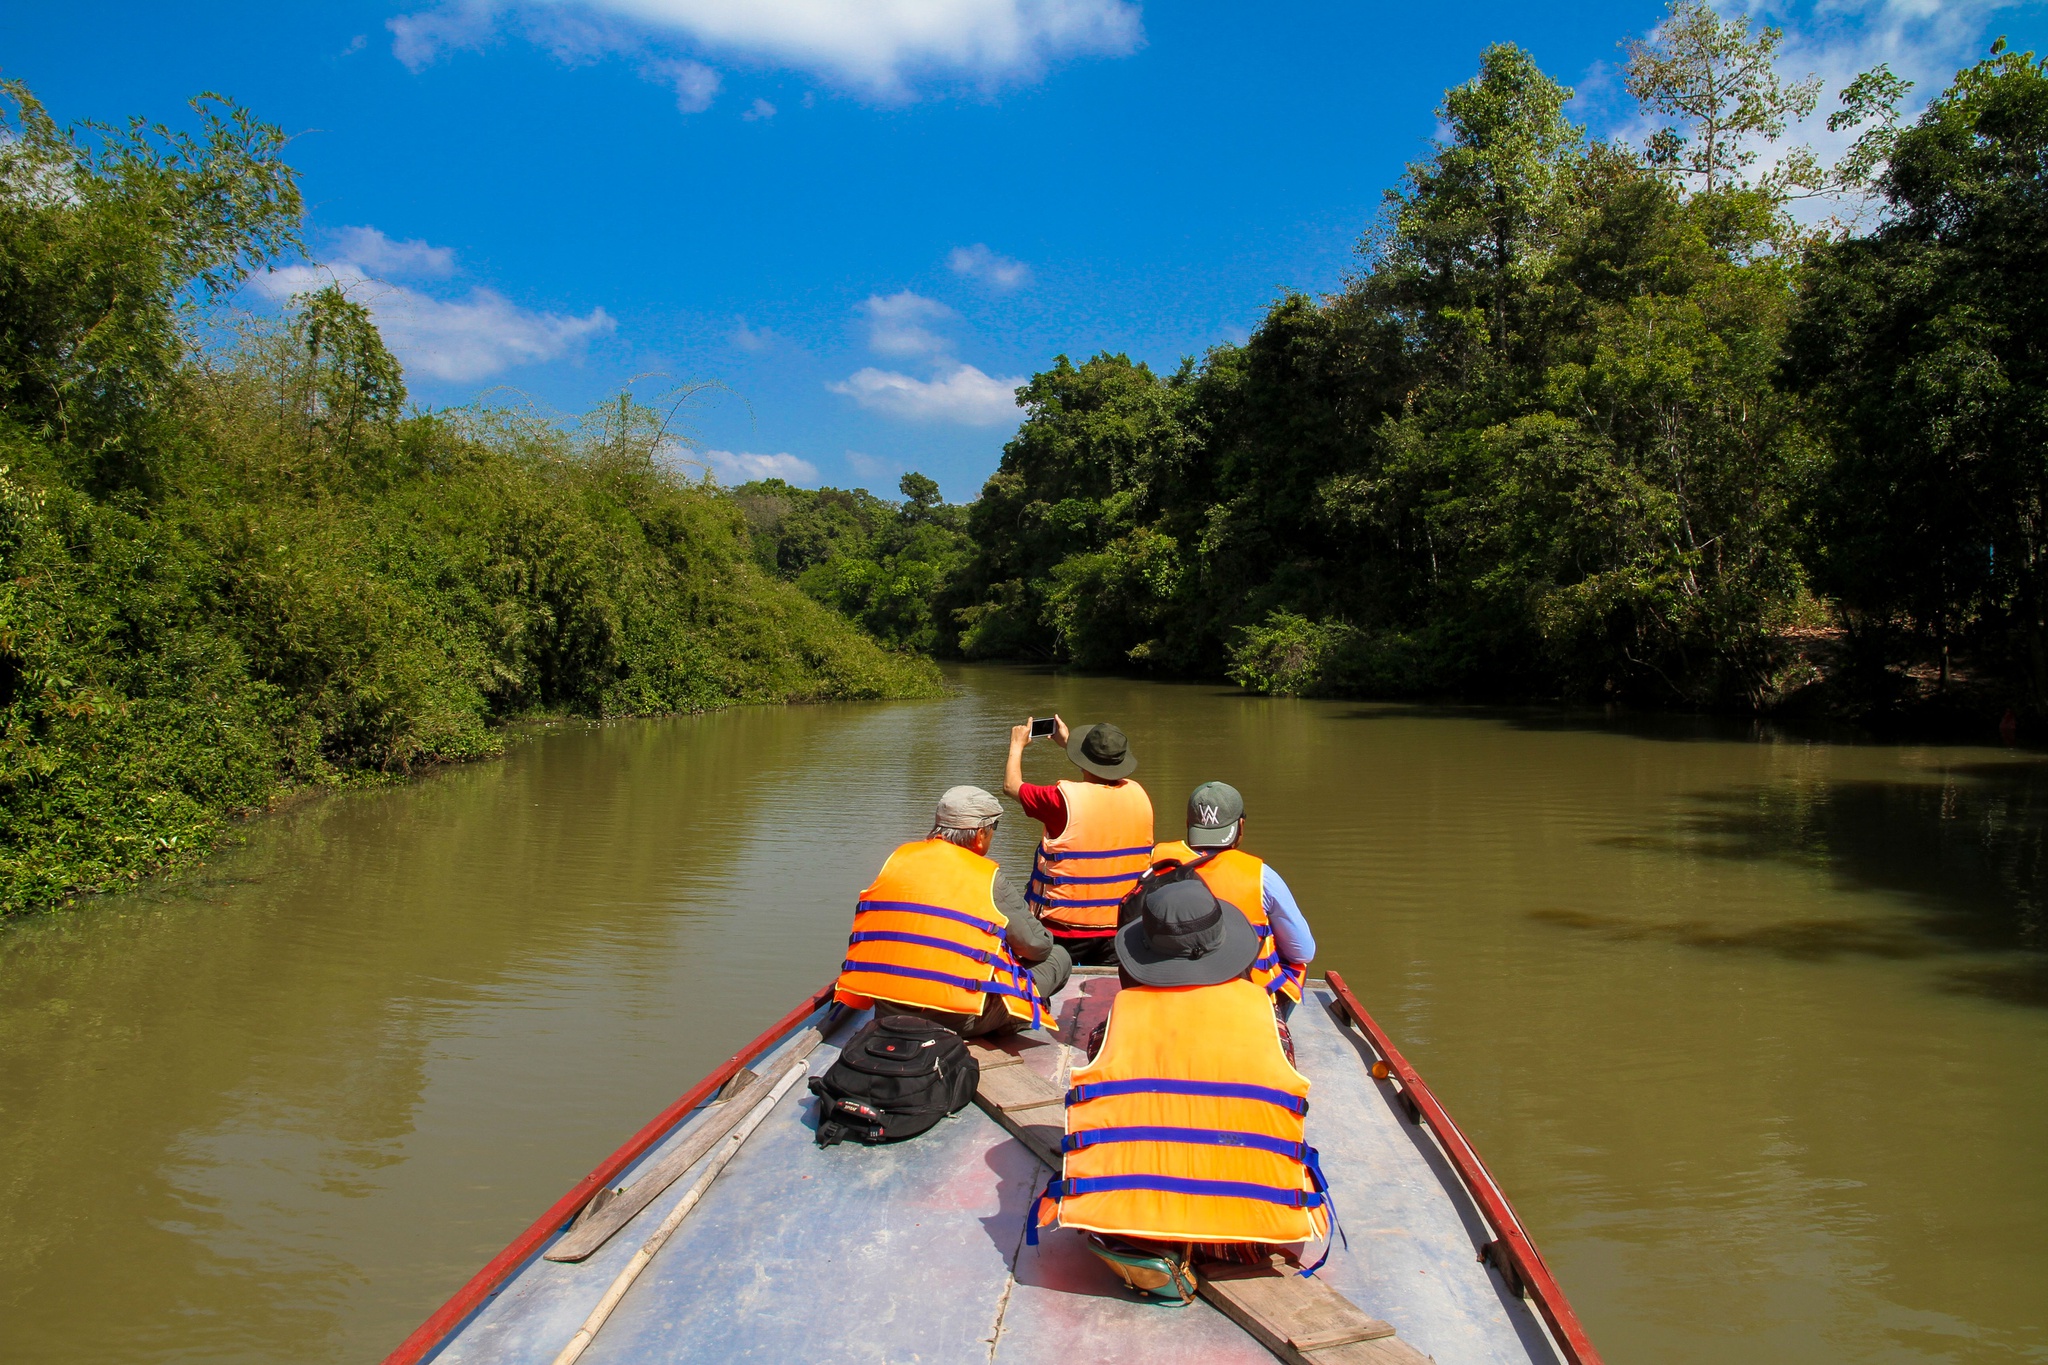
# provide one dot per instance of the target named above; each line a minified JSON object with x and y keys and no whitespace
{"x":1213,"y":813}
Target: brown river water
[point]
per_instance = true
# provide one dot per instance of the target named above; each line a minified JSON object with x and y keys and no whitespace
{"x":1753,"y":1029}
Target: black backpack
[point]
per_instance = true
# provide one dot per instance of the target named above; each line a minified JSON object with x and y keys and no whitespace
{"x":1161,"y":873}
{"x":895,"y":1078}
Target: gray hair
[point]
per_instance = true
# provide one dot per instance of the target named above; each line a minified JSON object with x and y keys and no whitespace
{"x":962,"y":837}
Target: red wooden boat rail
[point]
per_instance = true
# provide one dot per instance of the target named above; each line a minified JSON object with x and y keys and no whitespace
{"x":1513,"y":1253}
{"x":449,"y":1315}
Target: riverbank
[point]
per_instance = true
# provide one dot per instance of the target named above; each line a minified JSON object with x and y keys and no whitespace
{"x":281,"y":607}
{"x":175,"y":664}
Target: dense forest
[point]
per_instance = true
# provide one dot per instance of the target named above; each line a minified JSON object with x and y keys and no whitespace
{"x":1706,"y":421}
{"x":1591,"y":420}
{"x":233,"y":564}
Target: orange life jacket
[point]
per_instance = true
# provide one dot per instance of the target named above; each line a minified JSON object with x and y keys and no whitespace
{"x":1078,"y":879}
{"x":928,"y":934}
{"x":1188,"y":1125}
{"x":1238,"y":878}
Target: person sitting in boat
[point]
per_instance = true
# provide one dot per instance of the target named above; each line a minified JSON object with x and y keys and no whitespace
{"x":1097,"y":835}
{"x":1215,"y":829}
{"x":1185,"y":1134}
{"x":941,"y":935}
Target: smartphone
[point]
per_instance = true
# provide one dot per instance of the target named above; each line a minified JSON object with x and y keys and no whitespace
{"x":1043,"y":729}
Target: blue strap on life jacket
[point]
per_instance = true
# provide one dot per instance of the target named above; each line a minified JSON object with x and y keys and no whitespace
{"x":938,"y":911}
{"x":1045,"y":1196}
{"x":1003,"y":961}
{"x":1059,"y":1188}
{"x":1036,"y":898}
{"x":990,"y":987}
{"x":1221,"y":1090}
{"x":1043,"y":876}
{"x":1076,"y":879}
{"x":1207,"y":1137}
{"x":981,"y":955}
{"x":1039,"y":1004}
{"x":1181,"y":1184}
{"x":1021,"y":986}
{"x":1294,"y":972}
{"x":917,"y":973}
{"x":1314,"y":1162}
{"x":1055,"y":855}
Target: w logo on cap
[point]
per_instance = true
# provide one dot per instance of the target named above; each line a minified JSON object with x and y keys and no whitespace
{"x":1214,"y":806}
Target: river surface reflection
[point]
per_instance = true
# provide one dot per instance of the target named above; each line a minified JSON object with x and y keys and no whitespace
{"x":1752,"y":1029}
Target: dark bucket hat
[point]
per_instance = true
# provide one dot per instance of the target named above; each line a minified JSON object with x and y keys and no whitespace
{"x":1184,"y":936}
{"x":1103,"y":750}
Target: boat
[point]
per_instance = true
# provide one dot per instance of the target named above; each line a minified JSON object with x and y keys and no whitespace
{"x":760,"y":1245}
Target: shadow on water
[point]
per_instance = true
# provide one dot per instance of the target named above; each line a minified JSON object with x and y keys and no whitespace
{"x":1669,"y":727}
{"x":1966,"y":850}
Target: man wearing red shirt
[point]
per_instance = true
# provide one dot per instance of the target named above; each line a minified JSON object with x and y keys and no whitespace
{"x":1097,"y":836}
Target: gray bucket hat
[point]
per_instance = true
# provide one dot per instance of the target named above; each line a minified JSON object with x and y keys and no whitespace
{"x":1103,"y":750}
{"x":1213,"y":812}
{"x":1184,"y":936}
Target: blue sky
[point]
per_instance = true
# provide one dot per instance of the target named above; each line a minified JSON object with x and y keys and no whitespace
{"x":866,"y":219}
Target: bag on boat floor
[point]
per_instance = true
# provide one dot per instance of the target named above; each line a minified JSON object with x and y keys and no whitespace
{"x":895,"y":1078}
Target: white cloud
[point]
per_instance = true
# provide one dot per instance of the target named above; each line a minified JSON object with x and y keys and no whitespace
{"x":1924,"y":41}
{"x":744,"y":466}
{"x":962,"y":394}
{"x":879,"y":47}
{"x":378,"y":255}
{"x":977,"y":262}
{"x":416,"y":39}
{"x":761,"y":109}
{"x":458,"y":340}
{"x":695,"y":84}
{"x":897,"y":324}
{"x":751,"y":339}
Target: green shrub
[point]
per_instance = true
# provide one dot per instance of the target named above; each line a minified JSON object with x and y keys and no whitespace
{"x":225,"y":572}
{"x":1289,"y":655}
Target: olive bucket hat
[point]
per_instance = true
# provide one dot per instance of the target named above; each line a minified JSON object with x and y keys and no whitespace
{"x":1103,"y":750}
{"x":1184,"y":936}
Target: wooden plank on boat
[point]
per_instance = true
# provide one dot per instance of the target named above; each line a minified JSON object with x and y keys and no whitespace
{"x":1303,"y":1321}
{"x":594,"y":1227}
{"x":1020,"y":1099}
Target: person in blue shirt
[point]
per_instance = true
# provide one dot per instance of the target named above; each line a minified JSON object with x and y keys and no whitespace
{"x":1215,"y":828}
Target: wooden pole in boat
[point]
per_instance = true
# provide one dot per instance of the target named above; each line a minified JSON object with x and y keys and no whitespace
{"x":642,"y":1258}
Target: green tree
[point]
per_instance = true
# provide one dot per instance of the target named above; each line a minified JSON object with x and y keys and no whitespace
{"x":1474,"y":228}
{"x":1721,"y":83}
{"x":1920,"y":348}
{"x":920,"y":494}
{"x":1104,"y":448}
{"x":356,"y":383}
{"x":105,"y":235}
{"x":884,"y":565}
